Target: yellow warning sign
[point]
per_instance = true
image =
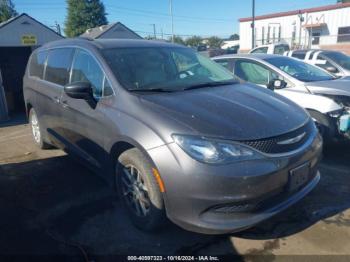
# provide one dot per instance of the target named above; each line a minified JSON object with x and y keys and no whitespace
{"x":29,"y":40}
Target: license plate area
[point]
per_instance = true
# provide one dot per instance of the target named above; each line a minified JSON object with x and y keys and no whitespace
{"x":298,"y":177}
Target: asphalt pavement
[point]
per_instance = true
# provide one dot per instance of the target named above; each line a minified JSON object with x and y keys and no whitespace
{"x":52,"y":205}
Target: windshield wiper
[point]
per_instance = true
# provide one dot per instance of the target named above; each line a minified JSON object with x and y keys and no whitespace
{"x":156,"y":90}
{"x":210,"y":84}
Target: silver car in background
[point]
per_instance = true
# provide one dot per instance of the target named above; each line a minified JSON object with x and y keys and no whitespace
{"x":324,"y":96}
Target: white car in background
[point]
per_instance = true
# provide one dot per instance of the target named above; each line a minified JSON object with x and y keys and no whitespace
{"x":326,"y":98}
{"x":334,"y":62}
{"x":276,"y":49}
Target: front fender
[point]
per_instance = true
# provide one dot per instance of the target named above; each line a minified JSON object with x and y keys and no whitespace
{"x":310,"y":101}
{"x":123,"y":127}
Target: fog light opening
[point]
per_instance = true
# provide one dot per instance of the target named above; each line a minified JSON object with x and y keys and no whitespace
{"x":234,"y":208}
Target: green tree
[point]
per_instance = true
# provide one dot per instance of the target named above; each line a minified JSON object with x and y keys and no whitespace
{"x":214,"y":42}
{"x":178,"y":40}
{"x":82,"y":15}
{"x":194,"y":41}
{"x":234,"y":37}
{"x":343,"y":1}
{"x":7,"y":10}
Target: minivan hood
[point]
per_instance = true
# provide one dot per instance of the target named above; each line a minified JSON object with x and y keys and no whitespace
{"x":333,"y":87}
{"x":237,"y":112}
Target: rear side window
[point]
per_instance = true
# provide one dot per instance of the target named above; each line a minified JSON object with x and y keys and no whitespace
{"x":37,"y":64}
{"x":280,"y":49}
{"x":58,"y":66}
{"x":261,"y":50}
{"x":254,"y":72}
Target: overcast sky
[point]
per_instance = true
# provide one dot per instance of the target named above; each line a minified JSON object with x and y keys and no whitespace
{"x":191,"y":17}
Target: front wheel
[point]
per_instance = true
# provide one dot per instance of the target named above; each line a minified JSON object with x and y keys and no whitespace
{"x":37,"y":131}
{"x":139,"y":190}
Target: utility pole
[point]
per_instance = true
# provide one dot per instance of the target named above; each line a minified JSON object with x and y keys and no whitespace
{"x":253,"y":24}
{"x":301,"y":20}
{"x":154,"y":31}
{"x":172,"y":20}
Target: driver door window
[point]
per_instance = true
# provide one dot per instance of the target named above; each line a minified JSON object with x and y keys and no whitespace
{"x":86,"y":69}
{"x":254,"y":72}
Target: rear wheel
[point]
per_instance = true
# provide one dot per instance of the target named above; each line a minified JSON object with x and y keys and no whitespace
{"x":37,"y":131}
{"x":139,"y":190}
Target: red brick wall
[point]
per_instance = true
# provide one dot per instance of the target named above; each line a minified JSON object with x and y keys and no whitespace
{"x":338,"y":47}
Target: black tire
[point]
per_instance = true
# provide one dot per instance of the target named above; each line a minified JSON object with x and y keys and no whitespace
{"x":155,"y":216}
{"x":38,"y":140}
{"x":325,"y":126}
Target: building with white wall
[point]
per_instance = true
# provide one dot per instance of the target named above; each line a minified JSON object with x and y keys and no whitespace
{"x":319,"y":27}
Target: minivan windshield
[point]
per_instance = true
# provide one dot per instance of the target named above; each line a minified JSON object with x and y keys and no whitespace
{"x":164,"y":69}
{"x":340,"y":58}
{"x":299,"y":70}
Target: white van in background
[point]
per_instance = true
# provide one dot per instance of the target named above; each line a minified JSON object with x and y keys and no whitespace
{"x":272,"y":49}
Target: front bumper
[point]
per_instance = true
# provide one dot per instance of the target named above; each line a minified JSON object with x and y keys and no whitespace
{"x":248,"y":192}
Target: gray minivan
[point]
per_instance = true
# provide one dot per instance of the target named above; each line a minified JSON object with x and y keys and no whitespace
{"x":176,"y":132}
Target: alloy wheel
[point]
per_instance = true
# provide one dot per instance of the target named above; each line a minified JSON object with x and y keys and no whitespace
{"x":135,"y":191}
{"x":35,"y":127}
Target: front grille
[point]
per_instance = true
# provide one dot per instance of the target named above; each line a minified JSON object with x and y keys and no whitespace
{"x":272,"y":146}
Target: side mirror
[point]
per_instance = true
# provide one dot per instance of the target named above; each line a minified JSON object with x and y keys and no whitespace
{"x":276,"y":84}
{"x":81,"y":90}
{"x":332,"y":69}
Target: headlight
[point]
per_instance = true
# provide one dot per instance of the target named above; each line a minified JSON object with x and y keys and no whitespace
{"x":214,"y":151}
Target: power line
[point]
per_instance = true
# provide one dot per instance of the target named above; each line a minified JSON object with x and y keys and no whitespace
{"x":130,"y":13}
{"x":168,"y":15}
{"x":116,"y":7}
{"x":161,"y":17}
{"x":138,"y":13}
{"x":182,"y":35}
